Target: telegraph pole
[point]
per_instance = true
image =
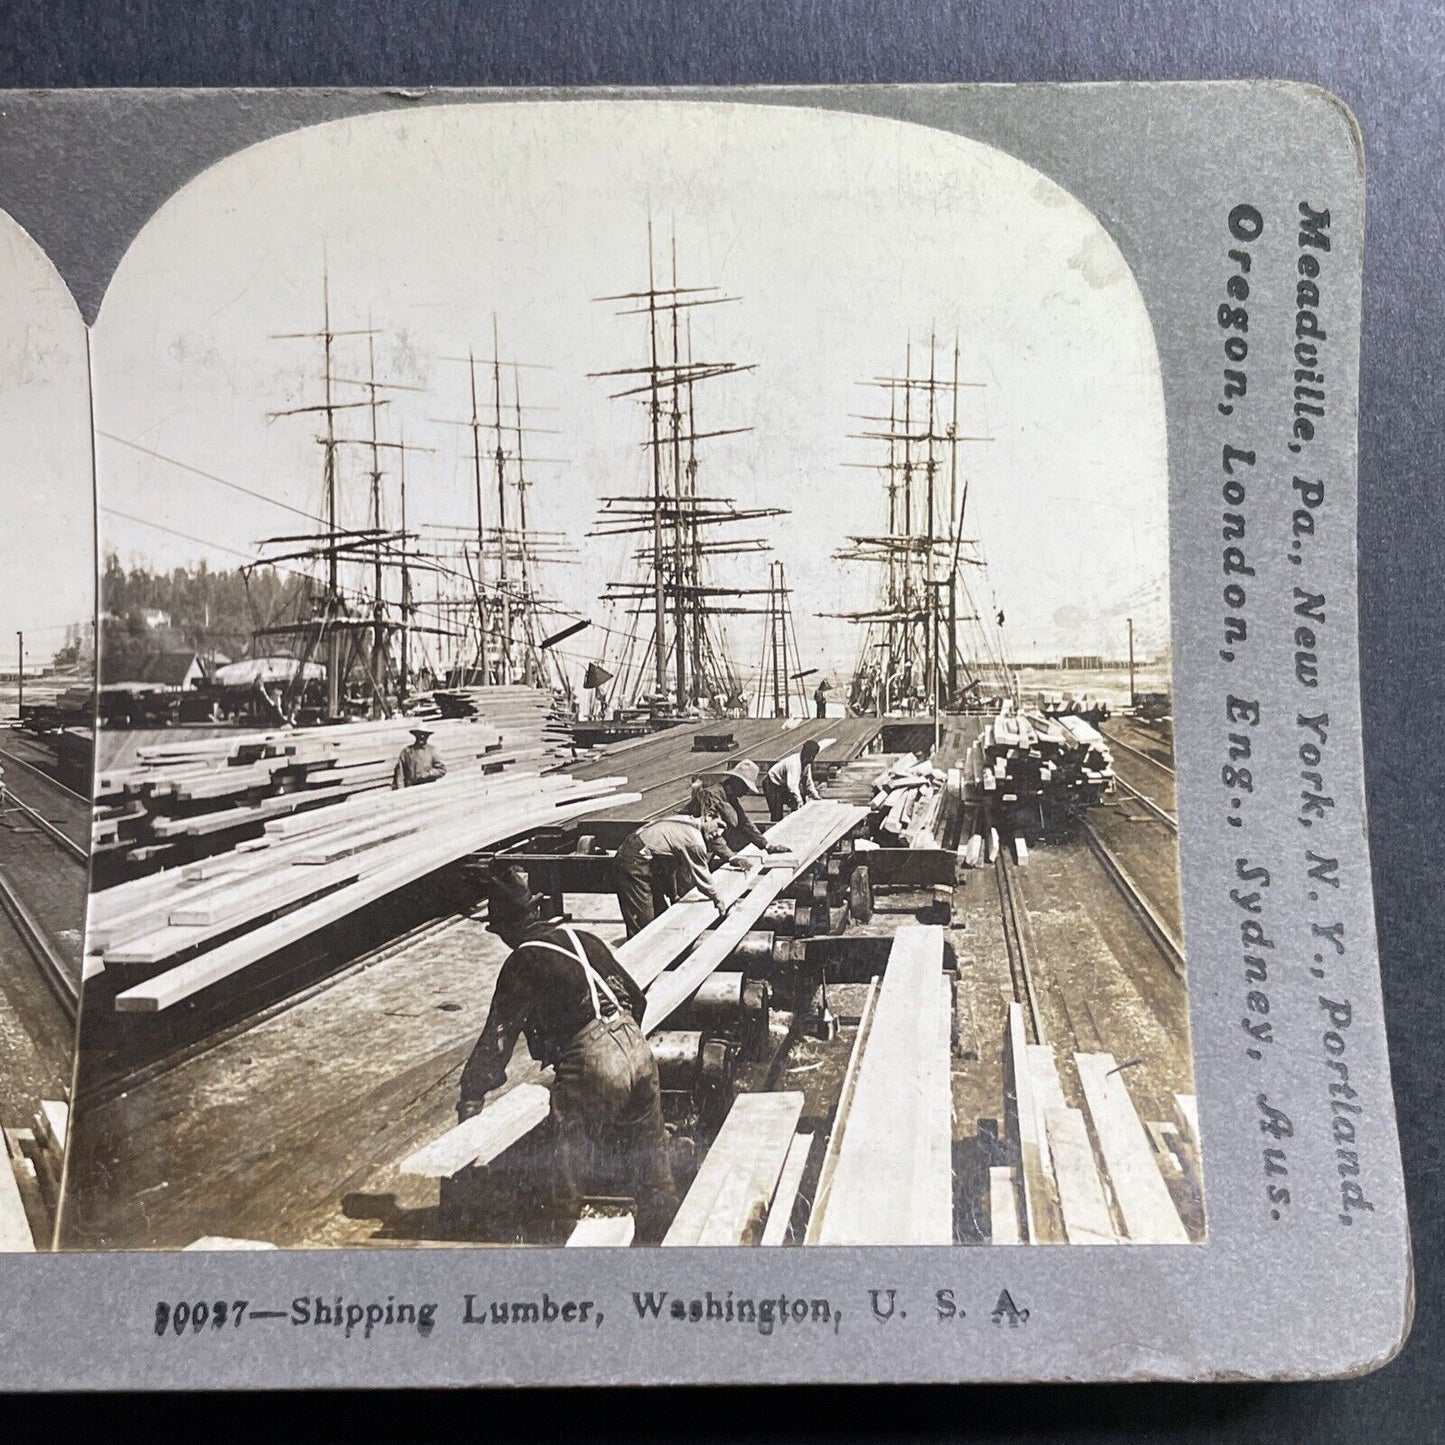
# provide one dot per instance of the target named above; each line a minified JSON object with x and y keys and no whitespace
{"x":20,"y":658}
{"x":1132,"y":696}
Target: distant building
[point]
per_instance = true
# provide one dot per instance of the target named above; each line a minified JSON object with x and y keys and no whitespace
{"x":166,"y":671}
{"x":1081,"y":662}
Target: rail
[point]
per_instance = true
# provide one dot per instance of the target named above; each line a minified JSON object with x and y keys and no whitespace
{"x":52,"y":966}
{"x":1115,"y":741}
{"x":1016,"y":940}
{"x":1161,"y":814}
{"x":40,"y":772}
{"x":76,"y":852}
{"x":1159,"y":931}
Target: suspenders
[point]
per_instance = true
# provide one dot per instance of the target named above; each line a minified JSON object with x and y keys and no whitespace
{"x":595,"y":982}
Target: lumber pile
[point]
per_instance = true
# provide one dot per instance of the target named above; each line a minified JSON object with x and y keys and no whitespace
{"x":1090,"y":1175}
{"x":1057,"y":763}
{"x":888,"y":1170}
{"x":1081,"y":705}
{"x":30,"y":1179}
{"x":918,"y":805}
{"x":196,"y":796}
{"x":669,"y":959}
{"x":169,"y":936}
{"x":505,"y":707}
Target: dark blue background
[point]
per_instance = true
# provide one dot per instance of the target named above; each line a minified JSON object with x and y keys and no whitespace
{"x":1385,"y":60}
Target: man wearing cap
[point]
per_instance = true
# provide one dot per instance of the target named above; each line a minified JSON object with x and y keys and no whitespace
{"x":661,"y":861}
{"x":789,"y":783}
{"x":580,"y":1011}
{"x":722,"y":798}
{"x":419,"y":762}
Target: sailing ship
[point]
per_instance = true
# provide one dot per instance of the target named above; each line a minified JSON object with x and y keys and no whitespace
{"x":673,"y":657}
{"x":934,"y":639}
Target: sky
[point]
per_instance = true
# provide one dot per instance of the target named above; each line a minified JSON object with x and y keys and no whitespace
{"x":47,"y":547}
{"x":844,"y":237}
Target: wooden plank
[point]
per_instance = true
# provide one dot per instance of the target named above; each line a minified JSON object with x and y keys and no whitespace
{"x":807,"y":834}
{"x":1082,"y":1201}
{"x":730,"y":1194}
{"x":1042,"y":1221}
{"x":673,"y":989}
{"x":15,"y":1236}
{"x":785,"y":1196}
{"x":894,"y":1180}
{"x":484,"y":1136}
{"x":53,"y":1119}
{"x":603,"y":1231}
{"x":1005,"y":1222}
{"x":1186,"y":1120}
{"x":1144,"y":1201}
{"x":840,"y":1114}
{"x":222,"y":1241}
{"x":209,"y":968}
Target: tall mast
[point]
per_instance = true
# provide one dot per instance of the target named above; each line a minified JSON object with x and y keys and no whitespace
{"x":333,"y":587}
{"x":479,"y":581}
{"x":955,"y":527}
{"x":659,"y":573}
{"x":684,"y":604}
{"x":920,"y":557}
{"x":404,"y":677}
{"x":378,"y":603}
{"x":499,"y":457}
{"x":679,"y":561}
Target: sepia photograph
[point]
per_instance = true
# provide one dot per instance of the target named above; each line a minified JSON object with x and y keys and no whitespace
{"x":47,"y":681}
{"x":634,"y":701}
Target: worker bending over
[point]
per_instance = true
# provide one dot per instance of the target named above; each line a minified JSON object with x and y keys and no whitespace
{"x":581,"y":1012}
{"x":722,"y":798}
{"x":789,"y":783}
{"x":419,"y":762}
{"x":660,"y":862}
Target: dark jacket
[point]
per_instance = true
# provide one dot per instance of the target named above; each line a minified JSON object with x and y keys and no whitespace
{"x":418,"y":763}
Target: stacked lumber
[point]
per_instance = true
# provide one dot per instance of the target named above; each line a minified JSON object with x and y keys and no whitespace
{"x":888,"y":1170}
{"x":1078,"y":1176}
{"x":1059,"y":762}
{"x":916,"y":804}
{"x":195,"y":796}
{"x":1080,"y":705}
{"x":505,"y":707}
{"x":30,"y":1181}
{"x":186,"y":929}
{"x":669,"y":959}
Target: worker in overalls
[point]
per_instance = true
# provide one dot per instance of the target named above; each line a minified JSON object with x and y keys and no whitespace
{"x":580,"y":1011}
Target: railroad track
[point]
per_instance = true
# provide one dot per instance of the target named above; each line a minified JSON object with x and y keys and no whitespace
{"x":76,"y":852}
{"x":7,"y":756}
{"x":59,"y":976}
{"x":1158,"y":930}
{"x":1161,"y":814}
{"x":51,"y":966}
{"x":1115,"y":741}
{"x":1016,"y":937}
